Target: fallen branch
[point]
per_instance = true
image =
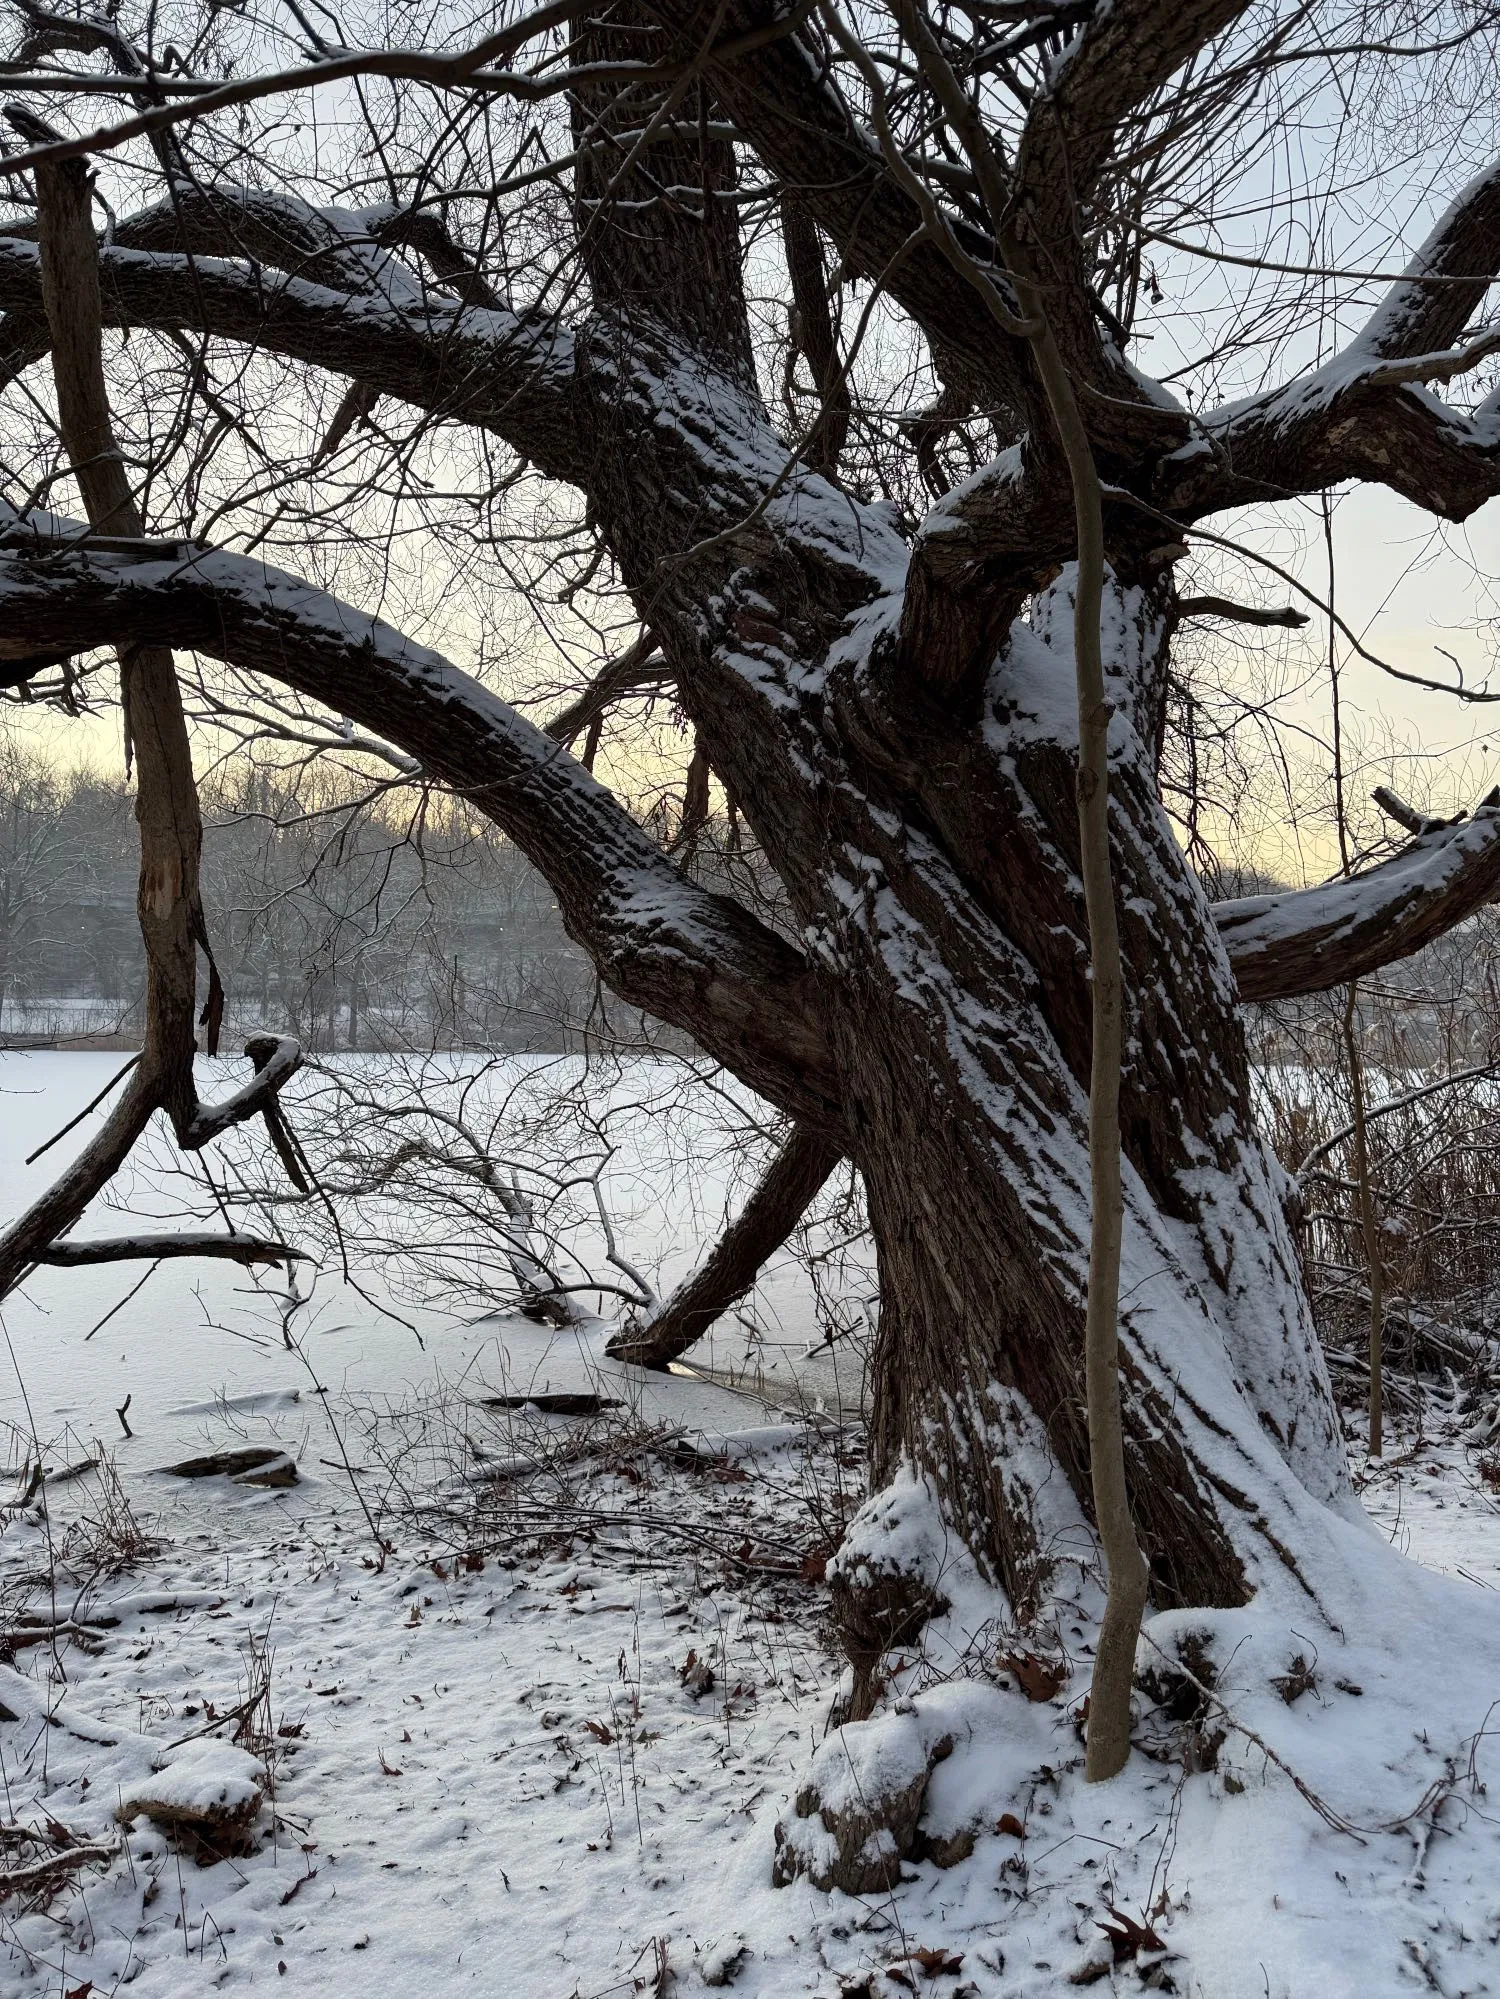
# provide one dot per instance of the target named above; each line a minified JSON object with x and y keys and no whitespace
{"x":53,"y":1866}
{"x":793,"y":1179}
{"x":236,"y":1248}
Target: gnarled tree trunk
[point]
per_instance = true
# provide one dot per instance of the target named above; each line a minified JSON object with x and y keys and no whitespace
{"x":894,"y":714}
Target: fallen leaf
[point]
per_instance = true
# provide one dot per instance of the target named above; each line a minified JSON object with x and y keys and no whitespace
{"x":1039,"y":1679}
{"x":389,"y":1769}
{"x":296,"y":1888}
{"x":599,"y":1732}
{"x":936,"y":1963}
{"x":815,"y":1566}
{"x":1127,"y":1936}
{"x":1008,"y":1822}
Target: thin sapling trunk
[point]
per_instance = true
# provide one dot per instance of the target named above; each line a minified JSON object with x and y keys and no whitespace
{"x":1369,"y":1226}
{"x":1114,"y":1662}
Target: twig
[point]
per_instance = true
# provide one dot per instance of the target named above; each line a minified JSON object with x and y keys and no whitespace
{"x":74,"y":1122}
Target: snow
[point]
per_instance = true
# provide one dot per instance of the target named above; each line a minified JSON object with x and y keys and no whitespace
{"x":492,"y":1774}
{"x":201,"y":1778}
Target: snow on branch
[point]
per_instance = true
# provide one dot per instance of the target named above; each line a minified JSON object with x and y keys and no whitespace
{"x":276,"y":1060}
{"x":234,"y":1247}
{"x":1307,"y":940}
{"x":696,"y":959}
{"x":1445,"y":282}
{"x":509,"y":372}
{"x":1443,"y":365}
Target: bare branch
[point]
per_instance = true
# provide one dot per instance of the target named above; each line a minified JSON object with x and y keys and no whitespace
{"x":1242,"y":614}
{"x":466,"y":69}
{"x":794,"y":1178}
{"x":640,"y":665}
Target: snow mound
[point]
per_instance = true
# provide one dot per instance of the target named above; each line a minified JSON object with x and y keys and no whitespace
{"x":206,"y":1783}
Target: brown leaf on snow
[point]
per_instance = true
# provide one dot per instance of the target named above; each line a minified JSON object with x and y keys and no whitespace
{"x":599,"y":1732}
{"x":1039,"y":1679}
{"x":1008,"y":1822}
{"x":389,"y":1769}
{"x":936,"y":1963}
{"x":1127,"y":1936}
{"x":293,"y":1892}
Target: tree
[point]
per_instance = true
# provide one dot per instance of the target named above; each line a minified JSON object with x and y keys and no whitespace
{"x":887,"y":701}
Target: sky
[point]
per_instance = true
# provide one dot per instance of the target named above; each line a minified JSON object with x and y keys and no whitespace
{"x":1304,"y":189}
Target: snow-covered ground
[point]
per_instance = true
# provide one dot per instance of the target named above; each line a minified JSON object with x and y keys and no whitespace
{"x":541,"y":1744}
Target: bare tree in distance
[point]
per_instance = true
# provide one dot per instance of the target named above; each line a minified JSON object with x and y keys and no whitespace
{"x":867,"y":615}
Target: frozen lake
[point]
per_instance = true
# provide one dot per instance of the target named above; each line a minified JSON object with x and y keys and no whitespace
{"x":198,"y":1335}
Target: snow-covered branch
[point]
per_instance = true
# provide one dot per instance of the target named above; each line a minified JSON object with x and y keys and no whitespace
{"x":1307,"y":940}
{"x":505,"y":371}
{"x":1446,"y":280}
{"x":276,"y":1062}
{"x":696,"y":959}
{"x":233,"y":1248}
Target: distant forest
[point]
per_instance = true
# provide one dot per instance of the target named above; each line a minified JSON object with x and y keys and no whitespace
{"x":367,"y":919}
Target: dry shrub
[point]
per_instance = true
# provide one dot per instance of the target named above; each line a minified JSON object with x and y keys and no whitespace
{"x":105,"y":1537}
{"x":1430,"y":1052}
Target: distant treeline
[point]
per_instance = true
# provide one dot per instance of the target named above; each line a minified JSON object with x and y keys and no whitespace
{"x":375,"y":919}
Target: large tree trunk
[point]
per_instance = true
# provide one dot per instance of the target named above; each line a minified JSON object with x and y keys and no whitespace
{"x":927,"y":838}
{"x":960,"y":1012}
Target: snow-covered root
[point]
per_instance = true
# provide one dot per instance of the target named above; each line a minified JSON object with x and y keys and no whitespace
{"x":1305,"y":1808}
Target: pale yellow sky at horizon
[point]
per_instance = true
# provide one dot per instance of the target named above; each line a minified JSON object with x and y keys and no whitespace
{"x":1405,"y":587}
